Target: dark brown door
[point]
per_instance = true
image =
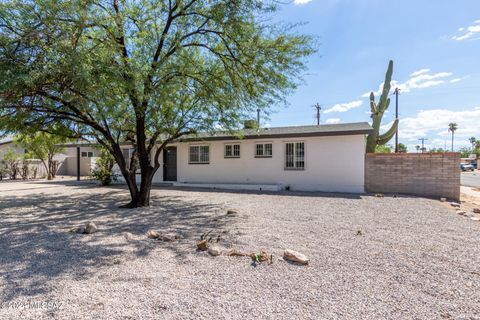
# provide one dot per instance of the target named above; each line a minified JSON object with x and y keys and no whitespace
{"x":170,"y":164}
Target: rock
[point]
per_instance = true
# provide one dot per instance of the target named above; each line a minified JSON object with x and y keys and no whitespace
{"x":455,"y":204}
{"x":90,"y":228}
{"x":128,"y":236}
{"x":295,"y":256}
{"x":152,"y":234}
{"x":77,"y":230}
{"x":231,"y":211}
{"x":214,"y":251}
{"x":461,"y":212}
{"x":202,"y":245}
{"x":261,"y":257}
{"x":236,"y":253}
{"x":476,"y":210}
{"x":475,"y":219}
{"x":379,"y":195}
{"x":443,"y":199}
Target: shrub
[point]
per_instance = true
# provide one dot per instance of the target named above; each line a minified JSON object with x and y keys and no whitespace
{"x":103,"y":171}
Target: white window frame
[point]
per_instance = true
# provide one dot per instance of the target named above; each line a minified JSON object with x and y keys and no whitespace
{"x":263,"y":155}
{"x":233,"y":148}
{"x":205,"y":160}
{"x":296,"y":158}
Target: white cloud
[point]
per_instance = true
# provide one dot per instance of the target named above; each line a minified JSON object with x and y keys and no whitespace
{"x":455,"y":80}
{"x":468,"y":32}
{"x":434,"y":124}
{"x":419,"y":72}
{"x":333,"y":120}
{"x":418,"y":80}
{"x":345,"y":106}
{"x":300,"y":2}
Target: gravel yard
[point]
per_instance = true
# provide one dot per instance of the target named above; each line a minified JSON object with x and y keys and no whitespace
{"x":370,"y":258}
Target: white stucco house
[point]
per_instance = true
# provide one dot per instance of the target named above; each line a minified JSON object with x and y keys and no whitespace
{"x":327,"y":158}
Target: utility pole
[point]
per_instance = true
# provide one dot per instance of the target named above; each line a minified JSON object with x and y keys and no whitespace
{"x":423,"y":142}
{"x":258,"y":117}
{"x":396,"y":92}
{"x":318,"y":107}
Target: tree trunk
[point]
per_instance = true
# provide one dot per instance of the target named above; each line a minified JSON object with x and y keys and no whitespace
{"x":452,"y":140}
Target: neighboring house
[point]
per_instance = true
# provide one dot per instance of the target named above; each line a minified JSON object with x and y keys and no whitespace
{"x":311,"y":158}
{"x":88,"y":155}
{"x":7,"y":144}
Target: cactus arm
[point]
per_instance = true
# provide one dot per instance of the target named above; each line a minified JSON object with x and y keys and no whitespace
{"x":384,"y":138}
{"x":386,"y":87}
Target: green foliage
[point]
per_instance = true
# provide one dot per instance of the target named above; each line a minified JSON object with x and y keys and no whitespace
{"x":452,"y":127}
{"x":402,"y":148}
{"x":377,"y":111}
{"x":42,"y":146}
{"x":103,"y":171}
{"x":465,"y":152}
{"x":437,"y":150}
{"x":146,"y":72}
{"x":383,"y":149}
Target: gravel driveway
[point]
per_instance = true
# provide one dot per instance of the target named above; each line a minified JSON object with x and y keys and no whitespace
{"x":370,"y":258}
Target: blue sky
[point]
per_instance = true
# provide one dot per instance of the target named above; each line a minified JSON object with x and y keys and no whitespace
{"x":435,"y":46}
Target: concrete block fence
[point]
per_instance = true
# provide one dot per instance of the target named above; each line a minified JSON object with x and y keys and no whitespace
{"x":422,"y":174}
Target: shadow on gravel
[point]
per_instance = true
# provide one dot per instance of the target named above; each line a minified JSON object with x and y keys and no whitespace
{"x":36,"y":247}
{"x":310,"y":194}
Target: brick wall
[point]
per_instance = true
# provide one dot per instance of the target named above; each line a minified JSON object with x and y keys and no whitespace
{"x":423,"y":174}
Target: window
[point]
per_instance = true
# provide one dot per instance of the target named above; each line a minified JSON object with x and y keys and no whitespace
{"x":88,"y":154}
{"x":263,"y":150}
{"x":232,"y":151}
{"x":295,"y":156}
{"x":199,"y":154}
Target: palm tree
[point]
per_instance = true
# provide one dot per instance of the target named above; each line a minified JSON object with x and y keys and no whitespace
{"x":473,"y":141}
{"x":417,"y":147}
{"x":452,"y":127}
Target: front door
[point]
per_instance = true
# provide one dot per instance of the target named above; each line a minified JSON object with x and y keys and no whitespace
{"x":170,"y":164}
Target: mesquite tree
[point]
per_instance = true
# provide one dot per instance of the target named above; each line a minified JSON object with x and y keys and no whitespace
{"x":145,"y":72}
{"x":43,"y":146}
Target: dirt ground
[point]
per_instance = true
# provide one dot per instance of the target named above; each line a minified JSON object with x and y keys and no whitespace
{"x":370,"y":258}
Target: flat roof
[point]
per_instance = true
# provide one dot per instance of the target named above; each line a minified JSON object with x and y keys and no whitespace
{"x":340,"y":129}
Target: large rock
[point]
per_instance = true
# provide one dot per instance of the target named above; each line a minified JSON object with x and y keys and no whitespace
{"x":90,"y":228}
{"x":476,"y":210}
{"x":295,"y":256}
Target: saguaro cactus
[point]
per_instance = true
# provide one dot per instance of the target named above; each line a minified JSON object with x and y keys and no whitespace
{"x":376,"y":139}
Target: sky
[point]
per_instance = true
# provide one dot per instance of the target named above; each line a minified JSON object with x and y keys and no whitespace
{"x":435,"y":46}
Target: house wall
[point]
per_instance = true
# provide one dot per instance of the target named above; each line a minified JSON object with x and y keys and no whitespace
{"x":333,"y":164}
{"x":68,"y":159}
{"x":69,"y":166}
{"x":423,"y":174}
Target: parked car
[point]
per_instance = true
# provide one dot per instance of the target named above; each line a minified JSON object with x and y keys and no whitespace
{"x":466,"y":167}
